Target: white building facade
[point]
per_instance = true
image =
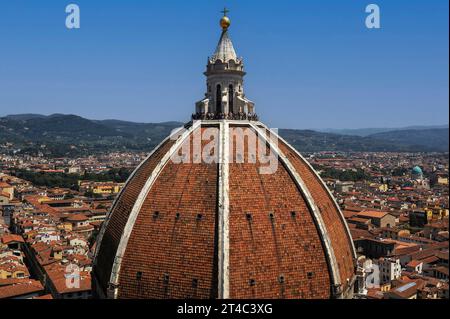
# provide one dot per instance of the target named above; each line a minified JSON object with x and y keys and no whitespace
{"x":390,"y":269}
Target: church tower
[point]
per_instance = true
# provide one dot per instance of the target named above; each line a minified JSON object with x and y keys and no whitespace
{"x":224,"y":97}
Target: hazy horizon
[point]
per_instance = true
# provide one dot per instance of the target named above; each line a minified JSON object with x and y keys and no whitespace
{"x":305,"y":128}
{"x":309,"y":64}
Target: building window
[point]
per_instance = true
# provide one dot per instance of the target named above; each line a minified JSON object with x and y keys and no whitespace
{"x":230,"y":98}
{"x":219,"y":99}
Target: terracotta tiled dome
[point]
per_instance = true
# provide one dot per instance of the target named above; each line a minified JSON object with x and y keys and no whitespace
{"x":224,"y":208}
{"x":224,"y":229}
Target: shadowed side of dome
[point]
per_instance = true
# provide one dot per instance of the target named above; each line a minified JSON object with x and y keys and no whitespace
{"x":173,"y":243}
{"x":112,"y":229}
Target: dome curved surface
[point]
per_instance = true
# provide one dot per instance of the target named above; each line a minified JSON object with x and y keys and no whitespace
{"x":225,"y":228}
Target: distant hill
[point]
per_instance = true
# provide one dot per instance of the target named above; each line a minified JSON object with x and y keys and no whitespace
{"x":371,"y":131}
{"x":72,"y":135}
{"x":152,"y":131}
{"x":436,"y":139}
{"x":312,"y":141}
{"x":62,"y":135}
{"x":24,"y":117}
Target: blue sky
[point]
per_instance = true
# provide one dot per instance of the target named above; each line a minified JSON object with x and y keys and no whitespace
{"x":310,"y":64}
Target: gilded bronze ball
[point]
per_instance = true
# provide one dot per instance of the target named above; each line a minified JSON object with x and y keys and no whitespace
{"x":225,"y":23}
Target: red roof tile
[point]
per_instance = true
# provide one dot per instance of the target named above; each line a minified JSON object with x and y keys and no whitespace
{"x":9,"y":238}
{"x":21,"y":289}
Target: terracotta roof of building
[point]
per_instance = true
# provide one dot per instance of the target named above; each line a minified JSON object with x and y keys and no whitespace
{"x":407,"y":290}
{"x":430,"y":260}
{"x":12,"y":281}
{"x":424,"y":253}
{"x":77,"y":218}
{"x":374,"y":294}
{"x":349,"y":213}
{"x":57,"y":276}
{"x":372,"y":214}
{"x":359,"y":220}
{"x":405,"y":250}
{"x":4,"y":185}
{"x":10,"y":238}
{"x":83,"y":228}
{"x":21,"y":289}
{"x":360,"y":233}
{"x":414,"y":263}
